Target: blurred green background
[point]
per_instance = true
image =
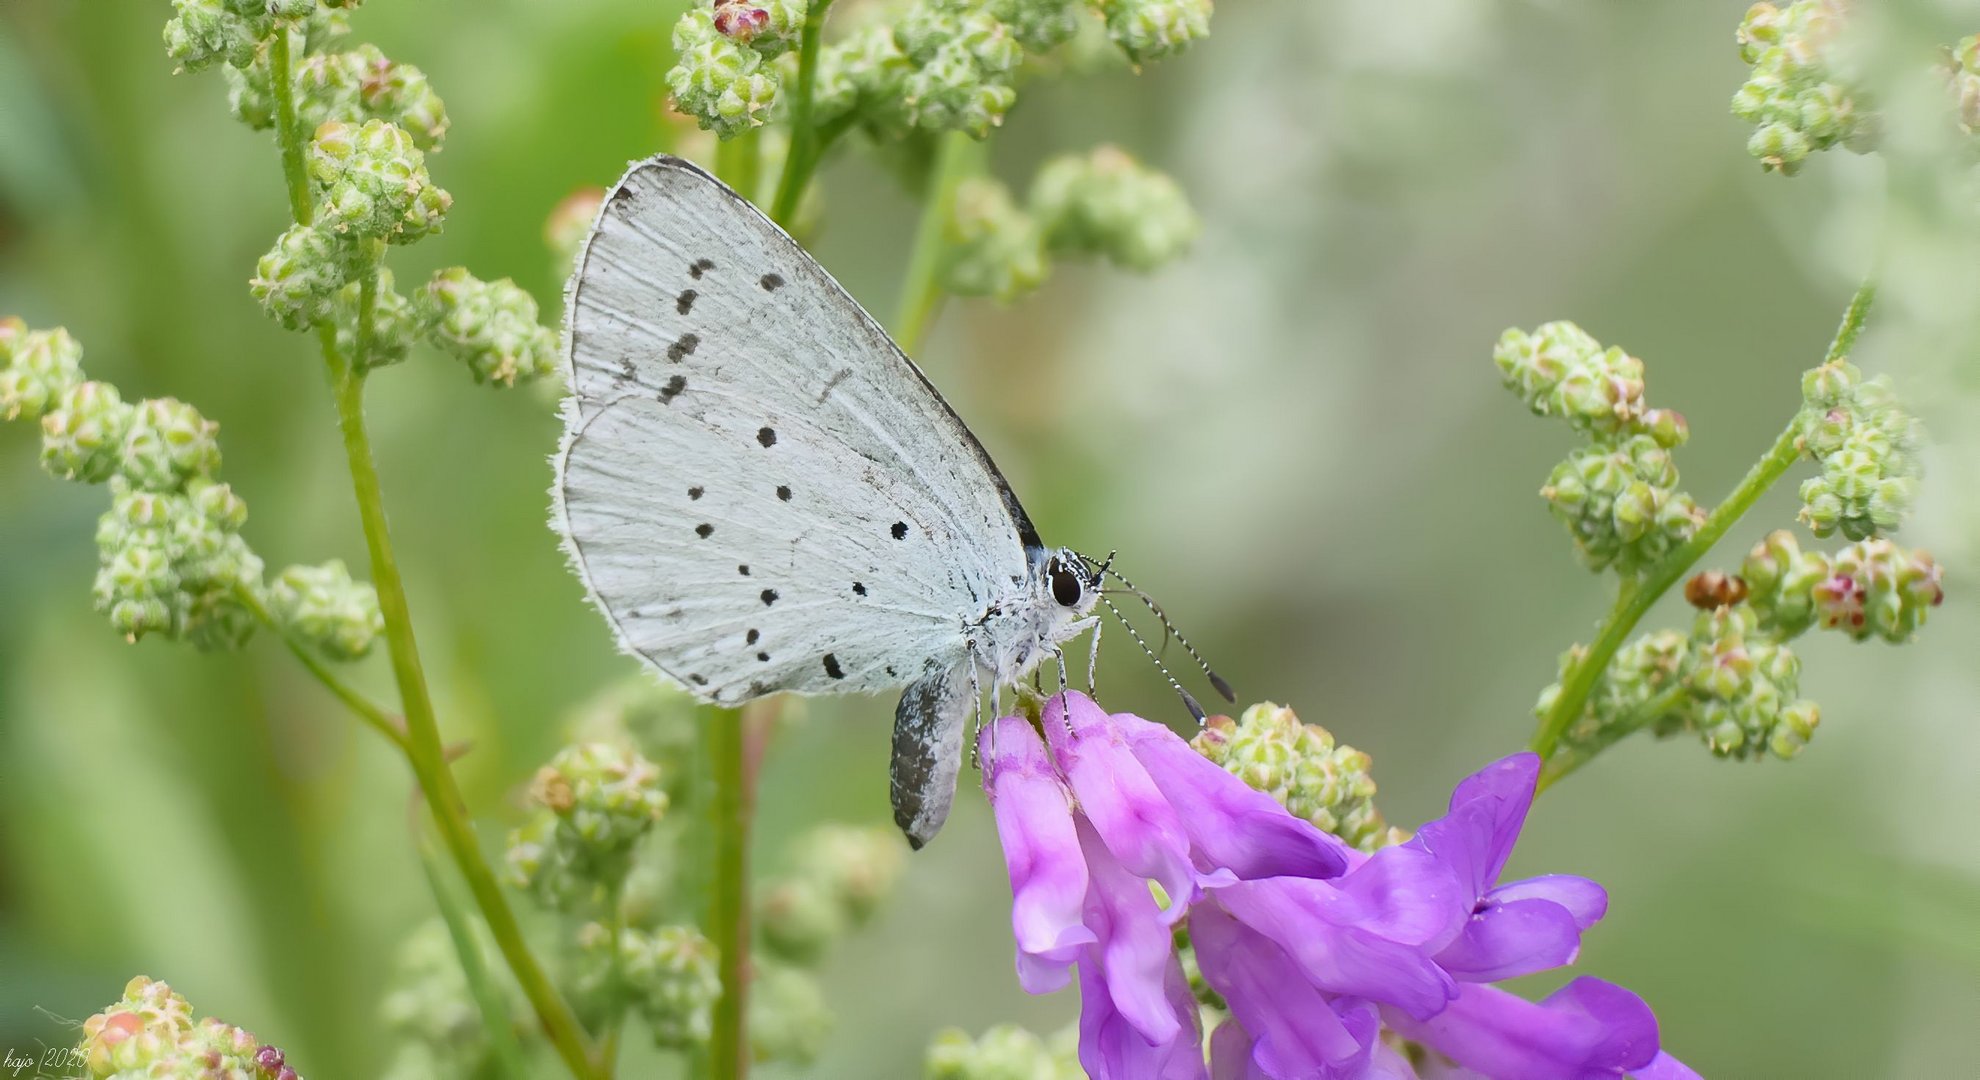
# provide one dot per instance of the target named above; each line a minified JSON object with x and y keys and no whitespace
{"x":1295,"y":437}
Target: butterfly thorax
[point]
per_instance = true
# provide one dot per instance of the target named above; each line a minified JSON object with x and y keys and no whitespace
{"x":1031,"y":623}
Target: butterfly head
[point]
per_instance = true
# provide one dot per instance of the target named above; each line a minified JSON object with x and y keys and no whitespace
{"x":1074,"y":581}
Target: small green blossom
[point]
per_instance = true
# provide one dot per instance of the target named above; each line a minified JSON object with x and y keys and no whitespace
{"x":1559,"y":370}
{"x":373,"y":182}
{"x":1744,"y":684}
{"x":1781,"y":580}
{"x":994,"y":248}
{"x":1039,"y":25}
{"x":428,"y":1007}
{"x":393,"y":323}
{"x":1155,"y":29}
{"x":149,"y":1035}
{"x":488,"y":325}
{"x":202,"y":33}
{"x":1868,"y":446}
{"x":37,"y":367}
{"x":770,"y":27}
{"x":963,"y":67}
{"x":839,"y":878}
{"x":788,"y":1017}
{"x":297,"y":281}
{"x":173,"y":563}
{"x":1876,"y":588}
{"x":1301,"y":767}
{"x":1005,"y":1052}
{"x":1108,"y":204}
{"x":597,"y":801}
{"x":324,"y":607}
{"x":1800,"y":95}
{"x":863,"y":74}
{"x":1621,"y":504}
{"x":353,"y":87}
{"x":671,"y":976}
{"x":167,"y":443}
{"x":83,"y":438}
{"x":724,"y":84}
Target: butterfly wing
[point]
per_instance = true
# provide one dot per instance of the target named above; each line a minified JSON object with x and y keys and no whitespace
{"x":759,"y":490}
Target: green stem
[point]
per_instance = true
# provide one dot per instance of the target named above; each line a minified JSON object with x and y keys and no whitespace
{"x":421,"y":744}
{"x":1647,"y":713}
{"x":738,"y":162}
{"x":366,"y":710}
{"x":728,"y":911}
{"x":506,"y":1050}
{"x":956,"y":155}
{"x":806,"y":147}
{"x":1635,"y":600}
{"x":282,"y":82}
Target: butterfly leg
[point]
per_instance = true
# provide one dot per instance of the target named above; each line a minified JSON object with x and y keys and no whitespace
{"x":976,"y":696}
{"x":1093,"y":663}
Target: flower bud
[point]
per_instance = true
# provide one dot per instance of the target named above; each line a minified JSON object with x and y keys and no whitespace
{"x":788,"y":1018}
{"x":490,"y":326}
{"x":393,"y":325}
{"x":166,"y":444}
{"x":598,"y":801}
{"x":373,"y":182}
{"x":1876,"y":587}
{"x":1154,"y":29}
{"x":429,"y":1009}
{"x":1799,"y":96}
{"x":1108,"y":204}
{"x":994,"y":248}
{"x":83,"y":438}
{"x":1868,"y":446}
{"x":1004,"y":1052}
{"x":1620,"y":503}
{"x":37,"y":368}
{"x":1039,"y":25}
{"x":863,"y":73}
{"x":1300,"y":766}
{"x":298,"y":280}
{"x":964,"y":63}
{"x":139,"y":1033}
{"x":324,"y":607}
{"x":1744,"y":684}
{"x":670,"y":976}
{"x":204,"y":32}
{"x":724,"y":84}
{"x":1559,"y":370}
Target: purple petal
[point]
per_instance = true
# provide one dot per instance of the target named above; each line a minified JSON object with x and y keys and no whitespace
{"x":1231,"y":825}
{"x":1041,"y":852}
{"x":1586,"y":900}
{"x":1230,"y":1054}
{"x":1111,"y":1047}
{"x":1135,"y":949}
{"x":1502,"y":941}
{"x":1586,"y":1029}
{"x":1118,"y":796}
{"x":1486,"y":813}
{"x":1318,"y":929}
{"x":1294,"y":1029}
{"x":1665,"y":1067}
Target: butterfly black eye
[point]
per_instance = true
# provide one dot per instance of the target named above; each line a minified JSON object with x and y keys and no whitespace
{"x":1066,"y":585}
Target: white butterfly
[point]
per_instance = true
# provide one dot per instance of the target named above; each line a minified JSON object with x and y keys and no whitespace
{"x":762,"y":493}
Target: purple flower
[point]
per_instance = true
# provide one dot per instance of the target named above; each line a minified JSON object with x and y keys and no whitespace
{"x":1315,"y":947}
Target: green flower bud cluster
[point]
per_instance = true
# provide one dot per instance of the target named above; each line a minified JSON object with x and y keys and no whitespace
{"x":789,"y":1019}
{"x":670,"y":975}
{"x":298,"y":281}
{"x":1963,"y":76}
{"x":993,"y":247}
{"x":1634,"y":692}
{"x":1155,"y":29}
{"x":1005,"y":1052}
{"x":37,"y":367}
{"x":1108,"y":204}
{"x":372,"y":182}
{"x":353,"y":86}
{"x":202,"y":33}
{"x":174,"y":563}
{"x":1301,"y":767}
{"x":1876,"y":588}
{"x":324,"y":607}
{"x":964,"y":62}
{"x":725,"y":80}
{"x":838,"y":876}
{"x":1743,"y":683}
{"x":149,"y":1034}
{"x":1800,"y":95}
{"x":1868,"y":447}
{"x":1039,"y":25}
{"x":1618,"y":496}
{"x":488,"y":325}
{"x":861,"y":75}
{"x":393,"y":323}
{"x":1781,"y":580}
{"x":430,"y":1011}
{"x":595,"y":802}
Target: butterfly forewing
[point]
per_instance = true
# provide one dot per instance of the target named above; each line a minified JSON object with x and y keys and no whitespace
{"x":759,"y":490}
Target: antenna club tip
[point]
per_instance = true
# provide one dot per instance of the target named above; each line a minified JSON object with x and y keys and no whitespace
{"x":1223,"y":687}
{"x":1194,"y":709}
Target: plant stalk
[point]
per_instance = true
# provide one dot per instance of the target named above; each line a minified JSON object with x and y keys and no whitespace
{"x":807,"y":143}
{"x":956,"y":156}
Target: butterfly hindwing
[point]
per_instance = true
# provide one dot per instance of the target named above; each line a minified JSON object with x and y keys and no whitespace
{"x":759,"y":490}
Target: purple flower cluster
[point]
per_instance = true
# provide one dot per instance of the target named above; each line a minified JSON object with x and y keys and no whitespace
{"x":1315,"y":947}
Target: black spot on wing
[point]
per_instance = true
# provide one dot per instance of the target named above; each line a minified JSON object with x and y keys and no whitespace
{"x":771,"y":282}
{"x":784,"y":492}
{"x":763,"y":657}
{"x":694,"y":493}
{"x":704,"y":530}
{"x":900,"y":530}
{"x":622,"y":194}
{"x":683,"y":347}
{"x":684,"y":303}
{"x":751,"y":637}
{"x":769,"y":597}
{"x":700,"y":267}
{"x":673,"y":389}
{"x":743,"y":569}
{"x":859,"y":588}
{"x":697,"y":680}
{"x":832,"y":667}
{"x":766,"y":437}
